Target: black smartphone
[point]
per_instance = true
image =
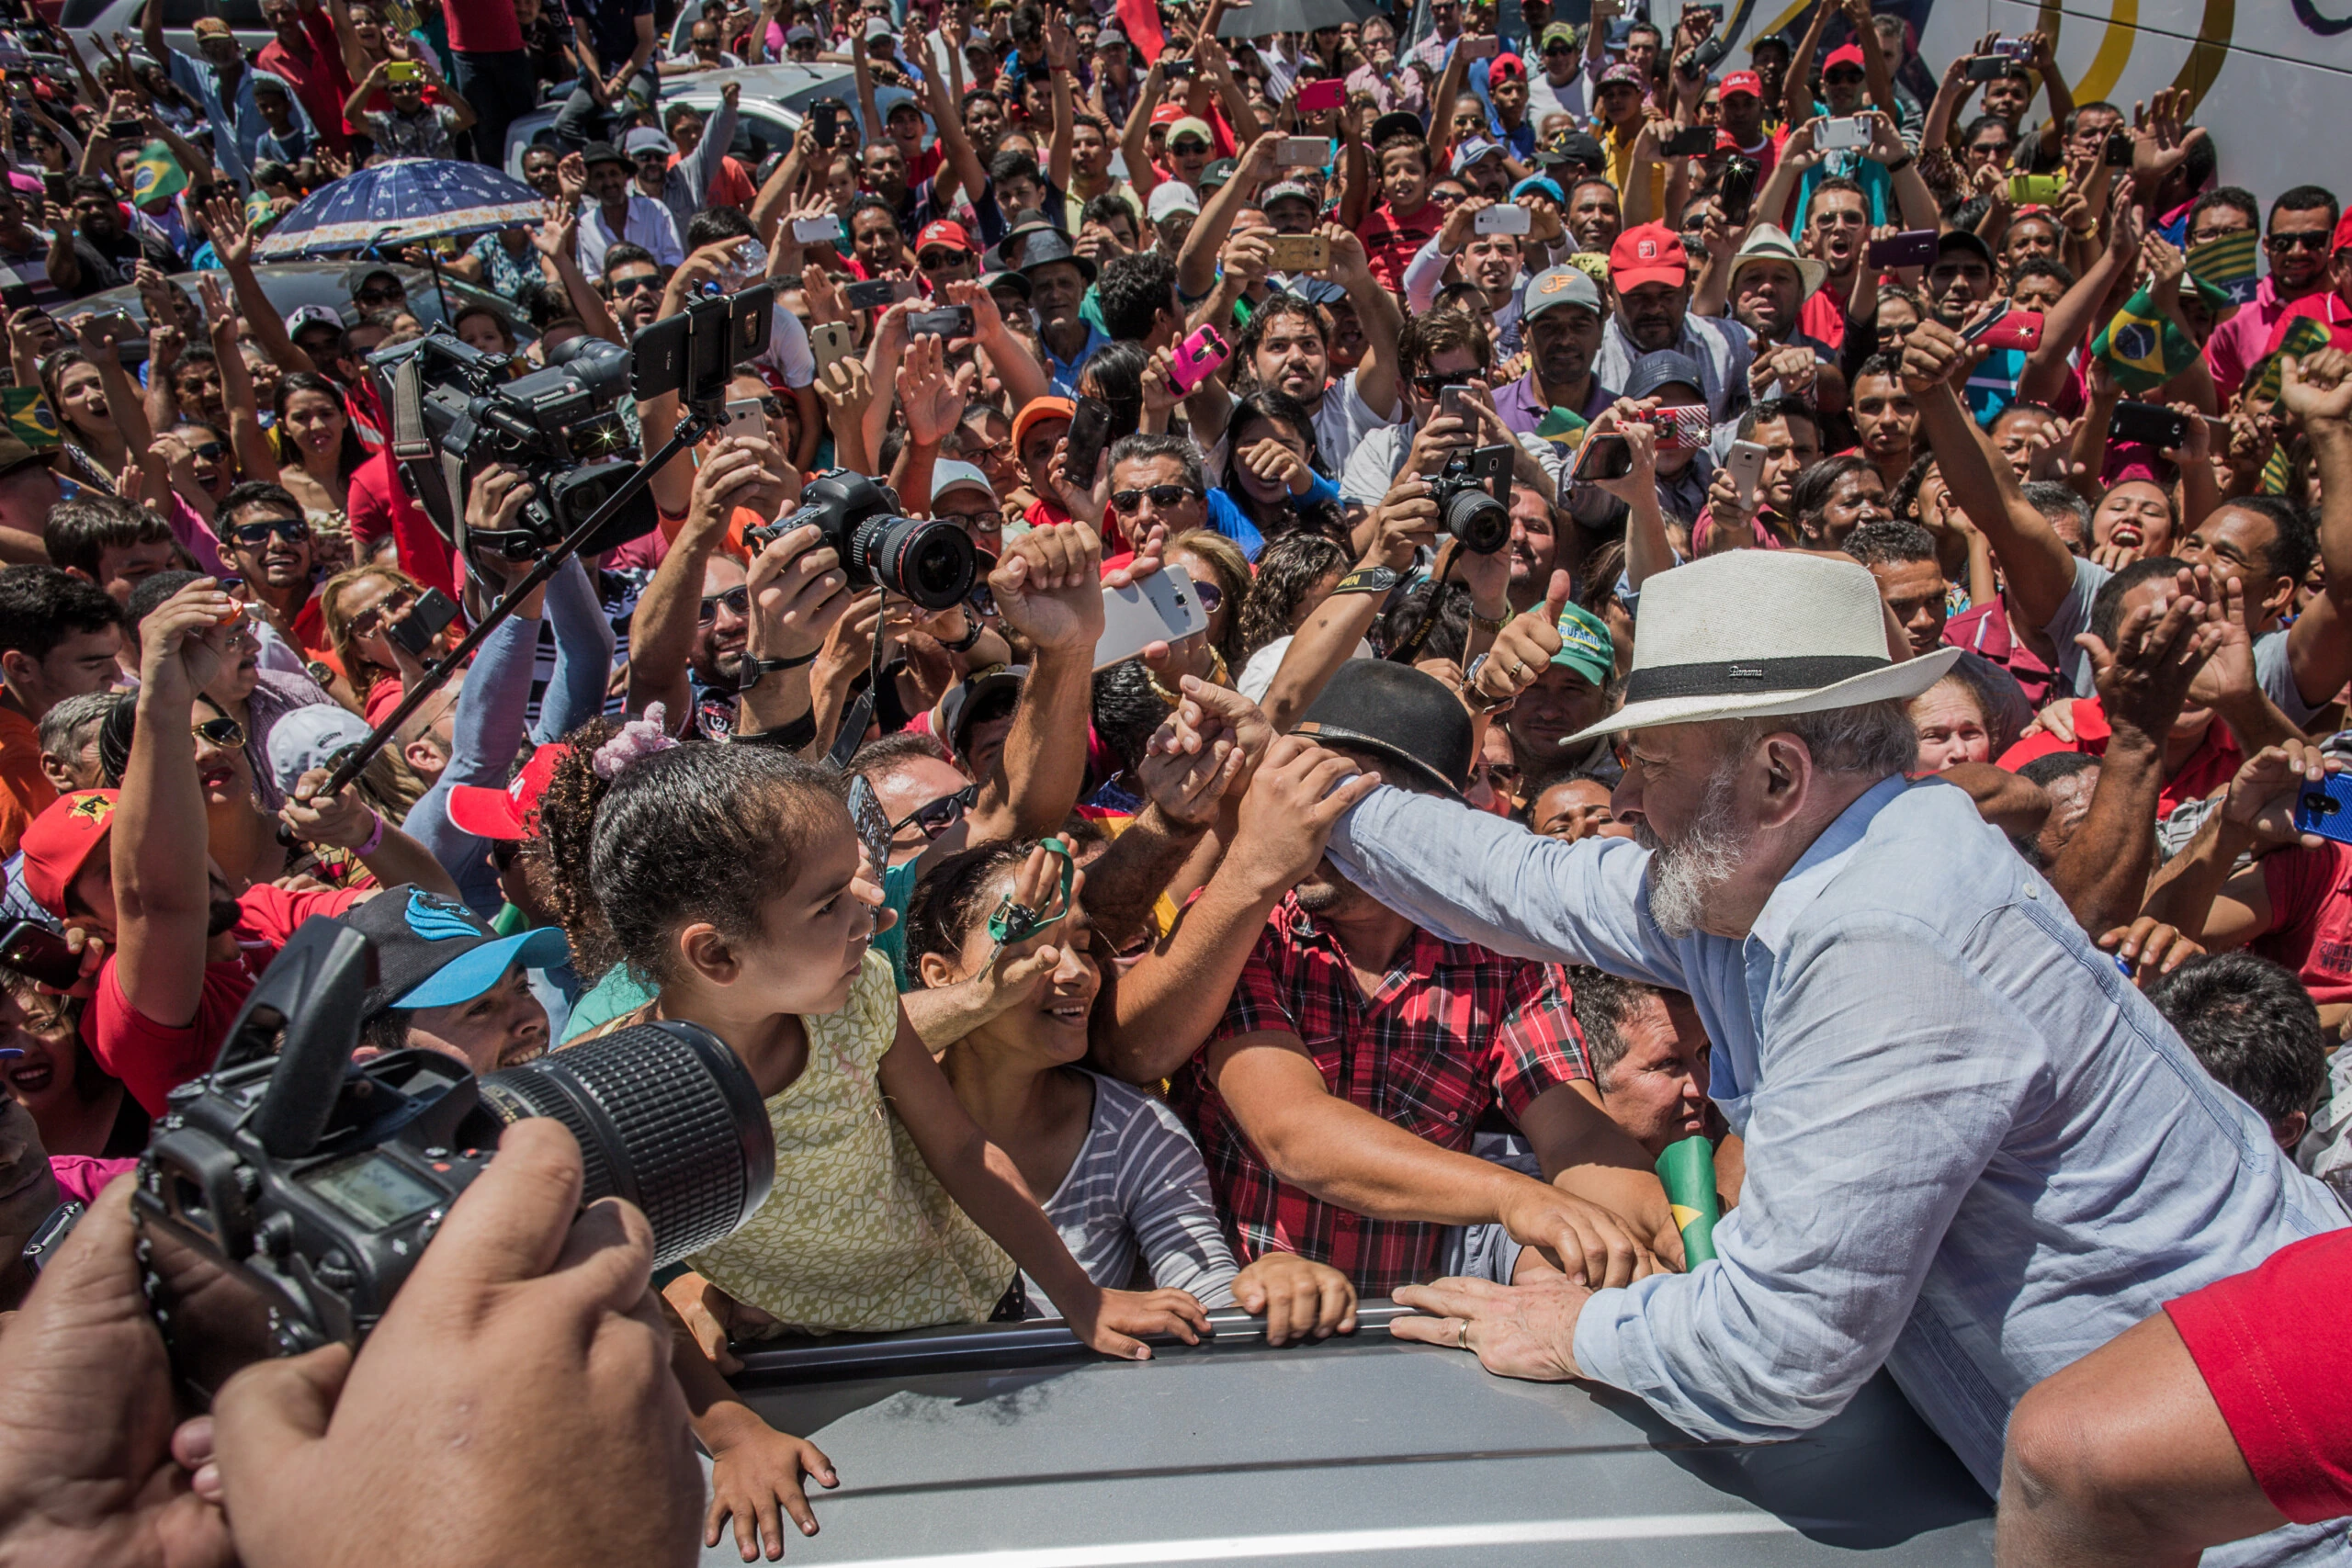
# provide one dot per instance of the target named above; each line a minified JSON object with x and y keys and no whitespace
{"x":2117,"y":153}
{"x":1703,"y":58}
{"x":948,"y":322}
{"x":874,"y":294}
{"x":1695,"y":142}
{"x":53,"y":186}
{"x":1989,"y":67}
{"x":824,"y":124}
{"x":2150,"y":424}
{"x":41,"y":954}
{"x":1913,"y":247}
{"x":1176,"y":70}
{"x":1737,"y":191}
{"x":1090,"y":432}
{"x":1602,"y":457}
{"x":123,"y":129}
{"x":431,"y":611}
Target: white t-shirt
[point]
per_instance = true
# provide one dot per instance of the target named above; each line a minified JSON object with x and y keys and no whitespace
{"x":1258,"y":674}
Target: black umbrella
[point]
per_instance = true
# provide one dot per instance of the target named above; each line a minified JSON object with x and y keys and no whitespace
{"x":1263,"y":18}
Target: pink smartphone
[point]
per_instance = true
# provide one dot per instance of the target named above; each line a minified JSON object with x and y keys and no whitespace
{"x":2010,"y":328}
{"x":1316,"y":96}
{"x":1197,"y":359}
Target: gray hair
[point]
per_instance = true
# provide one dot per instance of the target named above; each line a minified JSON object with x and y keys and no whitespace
{"x":66,"y":727}
{"x":1143,"y":447}
{"x":1876,"y":739}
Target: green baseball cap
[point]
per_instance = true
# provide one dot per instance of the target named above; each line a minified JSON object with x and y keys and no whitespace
{"x":1558,"y":32}
{"x":1586,"y":646}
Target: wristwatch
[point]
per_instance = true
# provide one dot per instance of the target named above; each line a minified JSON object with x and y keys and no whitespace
{"x":758,"y":670}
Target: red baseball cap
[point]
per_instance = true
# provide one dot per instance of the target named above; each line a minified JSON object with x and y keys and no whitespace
{"x":1168,"y":114}
{"x":1507,"y":65}
{"x":59,"y":842}
{"x":947,"y":232}
{"x":1649,"y":253}
{"x":1850,"y":55}
{"x":2343,"y":240}
{"x":512,"y":812}
{"x":1746,"y":81}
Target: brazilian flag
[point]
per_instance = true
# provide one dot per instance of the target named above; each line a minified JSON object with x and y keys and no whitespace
{"x":2142,"y":346}
{"x":2226,"y":263}
{"x":30,"y":417}
{"x":1562,"y":428}
{"x":2303,"y":337}
{"x":157,"y":176}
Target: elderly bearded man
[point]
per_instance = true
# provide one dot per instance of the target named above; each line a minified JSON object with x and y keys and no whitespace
{"x":1972,"y":1180}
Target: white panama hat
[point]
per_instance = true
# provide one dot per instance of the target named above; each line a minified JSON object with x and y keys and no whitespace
{"x":1751,"y":633}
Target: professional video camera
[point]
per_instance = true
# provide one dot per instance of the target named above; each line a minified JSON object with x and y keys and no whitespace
{"x":926,"y":560}
{"x":1468,"y":491}
{"x":291,"y":1190}
{"x":454,"y":412}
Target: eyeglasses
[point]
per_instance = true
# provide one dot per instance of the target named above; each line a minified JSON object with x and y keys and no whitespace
{"x":935,"y":817}
{"x":1445,"y":197}
{"x":224,"y":732}
{"x":365,"y":622}
{"x":941,"y":261}
{"x":1553,"y":48}
{"x":619,"y":287}
{"x":210,"y":451}
{"x":293,"y":530}
{"x":1435,"y":381}
{"x":737,"y":602}
{"x":1188,"y":145}
{"x":380,"y":296}
{"x":1843,"y":78}
{"x":1163,"y":497}
{"x":971,"y":522}
{"x":2315,"y":240}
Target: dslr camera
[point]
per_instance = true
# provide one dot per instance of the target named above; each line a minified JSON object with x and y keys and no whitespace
{"x":929,"y":561}
{"x":1468,"y":491}
{"x":290,"y":1192}
{"x":455,"y":410}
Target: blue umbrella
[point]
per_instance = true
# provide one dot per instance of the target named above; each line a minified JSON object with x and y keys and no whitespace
{"x":401,"y":202}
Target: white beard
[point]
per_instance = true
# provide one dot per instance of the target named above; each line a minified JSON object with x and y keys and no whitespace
{"x":1684,"y":874}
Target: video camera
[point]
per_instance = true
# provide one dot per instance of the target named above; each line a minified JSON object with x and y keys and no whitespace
{"x":455,"y":410}
{"x":291,"y":1190}
{"x":927,"y":560}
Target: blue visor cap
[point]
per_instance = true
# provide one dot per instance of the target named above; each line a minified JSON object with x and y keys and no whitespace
{"x":479,"y":968}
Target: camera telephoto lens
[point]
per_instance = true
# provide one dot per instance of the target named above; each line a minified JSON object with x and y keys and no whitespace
{"x":1477,"y":519}
{"x":925,"y":559}
{"x":666,"y":1118}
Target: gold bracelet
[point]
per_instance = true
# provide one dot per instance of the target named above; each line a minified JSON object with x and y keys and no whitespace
{"x":1479,"y":623}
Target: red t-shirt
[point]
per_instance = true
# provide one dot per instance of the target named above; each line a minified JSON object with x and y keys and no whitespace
{"x":1823,"y":315}
{"x":152,"y":1059}
{"x":1986,"y":629}
{"x":1391,"y":238}
{"x":730,"y":185}
{"x":482,"y":26}
{"x":2326,"y":307}
{"x":381,"y":505}
{"x":2269,"y":1345}
{"x":2212,"y":764}
{"x":2311,"y":918}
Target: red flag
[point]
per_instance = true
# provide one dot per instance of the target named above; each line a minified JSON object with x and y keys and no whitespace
{"x":1140,"y":21}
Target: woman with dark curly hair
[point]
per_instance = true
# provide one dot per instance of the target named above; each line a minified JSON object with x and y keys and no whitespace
{"x":1294,"y":574}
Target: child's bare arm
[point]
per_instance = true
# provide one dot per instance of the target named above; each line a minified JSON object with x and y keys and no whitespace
{"x":755,"y":1470}
{"x":982,"y":1179}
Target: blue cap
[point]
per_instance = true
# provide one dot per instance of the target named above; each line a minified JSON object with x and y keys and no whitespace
{"x":1539,"y":185}
{"x":432,"y":952}
{"x":477,"y":969}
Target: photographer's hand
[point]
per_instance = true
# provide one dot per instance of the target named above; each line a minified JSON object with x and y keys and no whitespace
{"x":516,"y":1403}
{"x":88,"y":1474}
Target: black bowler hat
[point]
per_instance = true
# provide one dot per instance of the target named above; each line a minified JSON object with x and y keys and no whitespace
{"x":1399,"y":714}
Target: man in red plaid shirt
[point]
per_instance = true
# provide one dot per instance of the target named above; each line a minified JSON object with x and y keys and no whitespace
{"x":1346,"y":1058}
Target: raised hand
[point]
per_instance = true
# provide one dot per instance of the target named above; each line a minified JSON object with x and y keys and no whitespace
{"x":1049,"y":587}
{"x":2160,"y":141}
{"x":1296,"y":797}
{"x":2306,"y":396}
{"x":1523,"y":649}
{"x":2158,"y":651}
{"x":799,"y":591}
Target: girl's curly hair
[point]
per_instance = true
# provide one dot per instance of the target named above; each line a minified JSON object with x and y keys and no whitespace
{"x":557,"y":854}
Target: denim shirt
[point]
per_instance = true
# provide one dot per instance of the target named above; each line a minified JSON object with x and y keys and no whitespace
{"x":1975,"y":1152}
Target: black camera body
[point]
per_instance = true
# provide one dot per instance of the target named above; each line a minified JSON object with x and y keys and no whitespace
{"x":1469,"y":492}
{"x":289,"y":1194}
{"x":929,"y":561}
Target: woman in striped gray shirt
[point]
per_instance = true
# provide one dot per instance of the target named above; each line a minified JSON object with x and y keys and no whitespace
{"x":1128,"y":1191}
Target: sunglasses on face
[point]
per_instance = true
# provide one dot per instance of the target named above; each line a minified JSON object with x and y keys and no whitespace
{"x":224,"y":732}
{"x":620,"y":287}
{"x":380,"y":295}
{"x":1843,"y":79}
{"x":1188,"y":146}
{"x":935,"y":817}
{"x":1553,"y":48}
{"x":737,"y":600}
{"x":293,"y":530}
{"x":1435,"y":381}
{"x":210,"y":451}
{"x":940,"y":261}
{"x":2314,"y":242}
{"x":1211,"y":596}
{"x":1164,"y":498}
{"x":365,"y":623}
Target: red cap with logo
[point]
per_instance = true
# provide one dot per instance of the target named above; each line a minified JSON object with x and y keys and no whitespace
{"x":59,"y":842}
{"x":1746,"y":81}
{"x":1168,"y":114}
{"x":1649,"y":253}
{"x":946,"y":233}
{"x":1850,"y":55}
{"x":512,"y":812}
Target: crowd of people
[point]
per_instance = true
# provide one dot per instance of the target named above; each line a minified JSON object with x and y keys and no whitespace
{"x":1769,"y":590}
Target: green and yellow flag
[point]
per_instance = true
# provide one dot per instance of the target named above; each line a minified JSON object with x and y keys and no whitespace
{"x":2227,"y":263}
{"x":157,"y":177}
{"x":1562,"y":427}
{"x":30,"y":417}
{"x":2303,"y":337}
{"x":2143,"y":347}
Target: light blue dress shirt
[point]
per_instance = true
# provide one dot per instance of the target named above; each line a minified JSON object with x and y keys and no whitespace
{"x":1975,"y":1152}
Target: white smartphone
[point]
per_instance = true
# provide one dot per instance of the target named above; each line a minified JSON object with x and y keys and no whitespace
{"x":744,"y":417}
{"x":816,"y":230}
{"x":831,"y":340}
{"x":1163,"y":607}
{"x":1745,"y":463}
{"x":1302,"y":153}
{"x":1500,"y":220}
{"x":1841,"y":134}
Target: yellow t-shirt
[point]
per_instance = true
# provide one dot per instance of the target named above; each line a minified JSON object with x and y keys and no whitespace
{"x":857,"y":1236}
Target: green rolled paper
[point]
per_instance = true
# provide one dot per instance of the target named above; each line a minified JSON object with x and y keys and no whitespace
{"x":1688,"y":1171}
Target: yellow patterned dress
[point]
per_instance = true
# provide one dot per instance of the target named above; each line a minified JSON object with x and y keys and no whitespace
{"x":857,"y":1234}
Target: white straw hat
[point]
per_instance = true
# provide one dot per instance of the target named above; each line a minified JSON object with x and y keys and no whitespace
{"x":1751,"y":633}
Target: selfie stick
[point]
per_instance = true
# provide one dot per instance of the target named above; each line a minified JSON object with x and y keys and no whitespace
{"x":692,"y":428}
{"x":1687,"y":1170}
